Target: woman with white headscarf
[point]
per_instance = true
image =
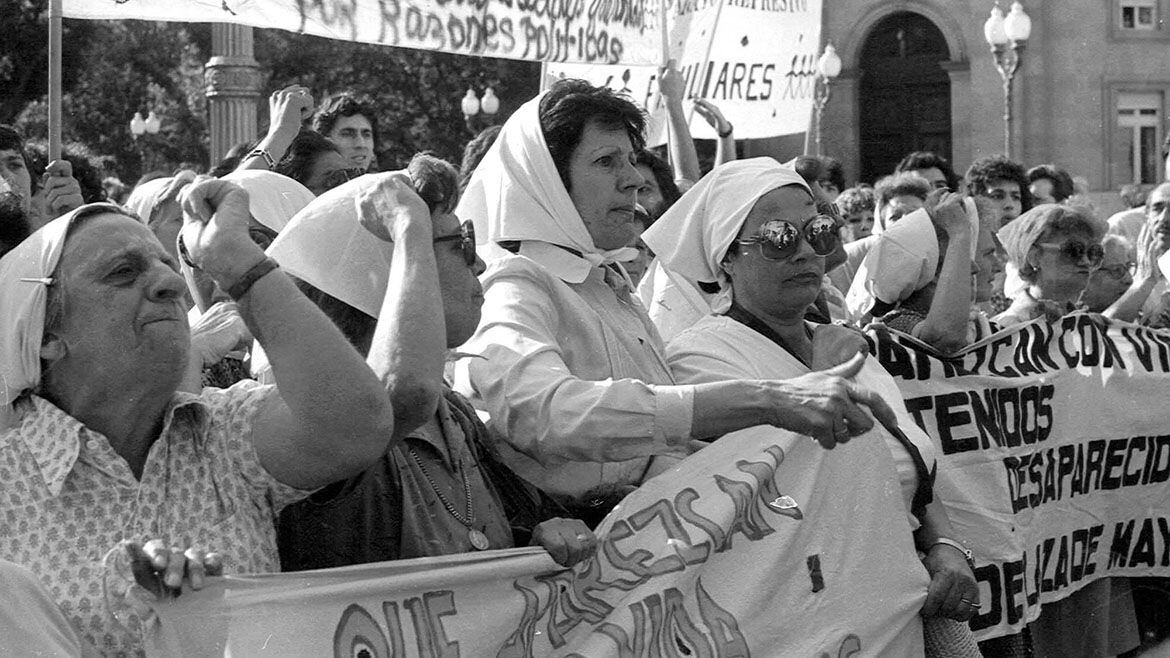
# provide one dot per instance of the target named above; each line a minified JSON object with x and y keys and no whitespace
{"x":750,"y":230}
{"x":99,"y":446}
{"x":219,"y":338}
{"x":571,"y":370}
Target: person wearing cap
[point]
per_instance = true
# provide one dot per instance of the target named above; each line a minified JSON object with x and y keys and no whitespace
{"x":101,"y":447}
{"x":571,"y":370}
{"x":752,"y":230}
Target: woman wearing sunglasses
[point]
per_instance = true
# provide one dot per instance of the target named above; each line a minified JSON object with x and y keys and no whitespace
{"x":572,"y":371}
{"x":751,"y":231}
{"x":1055,"y":249}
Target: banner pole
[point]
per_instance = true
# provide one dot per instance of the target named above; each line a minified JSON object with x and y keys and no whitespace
{"x":707,"y":55}
{"x":54,"y":80}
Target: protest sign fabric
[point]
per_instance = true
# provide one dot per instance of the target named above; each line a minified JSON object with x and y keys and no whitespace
{"x":768,"y":545}
{"x":1054,"y":455}
{"x":590,"y":31}
{"x":754,"y":59}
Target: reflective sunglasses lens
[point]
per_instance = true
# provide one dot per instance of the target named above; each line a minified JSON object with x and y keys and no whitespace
{"x":822,"y":235}
{"x":778,"y":239}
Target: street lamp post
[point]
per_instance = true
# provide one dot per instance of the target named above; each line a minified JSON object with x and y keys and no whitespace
{"x":139,"y":127}
{"x":473,"y":106}
{"x":1007,"y":37}
{"x":828,"y":67}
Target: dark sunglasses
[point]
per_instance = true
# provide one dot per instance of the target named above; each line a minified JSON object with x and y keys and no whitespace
{"x":1118,"y":272}
{"x":340,"y":177}
{"x":466,"y":236}
{"x":1075,"y":250}
{"x":780,"y":240}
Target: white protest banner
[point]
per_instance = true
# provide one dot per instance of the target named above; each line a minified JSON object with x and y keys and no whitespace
{"x":754,"y":59}
{"x":602,"y":31}
{"x":1054,"y":444}
{"x":768,"y":545}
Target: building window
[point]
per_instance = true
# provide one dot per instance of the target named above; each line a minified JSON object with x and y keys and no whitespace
{"x":1139,"y":14}
{"x":1139,"y":116}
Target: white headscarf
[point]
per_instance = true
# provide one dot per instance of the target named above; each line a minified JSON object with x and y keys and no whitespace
{"x":144,"y":197}
{"x":516,"y":194}
{"x":326,"y":246}
{"x":273,"y":198}
{"x":25,"y":276}
{"x":692,"y":237}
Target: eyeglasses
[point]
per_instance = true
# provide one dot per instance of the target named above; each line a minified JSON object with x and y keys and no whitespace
{"x":340,"y":177}
{"x":466,"y":236}
{"x":780,"y":240}
{"x":1075,"y":250}
{"x":1119,"y":272}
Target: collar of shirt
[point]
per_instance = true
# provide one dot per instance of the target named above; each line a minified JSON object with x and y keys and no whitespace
{"x":53,"y":437}
{"x":443,"y":436}
{"x":560,"y":262}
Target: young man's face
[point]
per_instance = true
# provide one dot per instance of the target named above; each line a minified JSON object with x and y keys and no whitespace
{"x":16,"y":175}
{"x":1005,"y":194}
{"x":354,"y":135}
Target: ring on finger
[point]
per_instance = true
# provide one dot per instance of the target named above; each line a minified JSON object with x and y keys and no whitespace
{"x":971,"y":603}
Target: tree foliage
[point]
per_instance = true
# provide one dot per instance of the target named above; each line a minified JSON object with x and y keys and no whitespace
{"x":112,"y":69}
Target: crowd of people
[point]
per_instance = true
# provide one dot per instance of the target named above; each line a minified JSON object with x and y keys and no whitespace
{"x":297,"y":361}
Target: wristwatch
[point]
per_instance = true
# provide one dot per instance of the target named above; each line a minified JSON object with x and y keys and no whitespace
{"x":261,"y":153}
{"x":727,"y":132}
{"x":954,"y":544}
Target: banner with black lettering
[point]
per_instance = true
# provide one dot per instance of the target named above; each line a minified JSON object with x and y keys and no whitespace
{"x":587,"y":31}
{"x":754,"y":59}
{"x":767,"y":545}
{"x":1054,"y":445}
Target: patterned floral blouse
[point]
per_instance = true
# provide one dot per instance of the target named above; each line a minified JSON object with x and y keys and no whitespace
{"x":67,"y":499}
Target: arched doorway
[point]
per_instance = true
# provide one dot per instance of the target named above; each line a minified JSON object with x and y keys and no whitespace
{"x":905,"y":99}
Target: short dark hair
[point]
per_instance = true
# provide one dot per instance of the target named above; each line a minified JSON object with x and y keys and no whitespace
{"x":929,"y":160}
{"x":87,"y":166}
{"x":904,"y":184}
{"x":231,"y":160}
{"x":474,"y":151}
{"x":10,"y":140}
{"x":570,"y":105}
{"x":663,"y":176}
{"x":998,"y":167}
{"x":1062,"y":182}
{"x":435,"y":180}
{"x":810,"y":168}
{"x":834,"y":171}
{"x":856,"y":200}
{"x":345,"y":104}
{"x":304,"y":150}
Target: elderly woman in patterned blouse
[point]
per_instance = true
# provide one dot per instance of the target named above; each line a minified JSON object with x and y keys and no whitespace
{"x":98,"y":446}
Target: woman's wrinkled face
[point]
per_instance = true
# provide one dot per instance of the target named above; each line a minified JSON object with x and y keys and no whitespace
{"x":326,"y":163}
{"x":123,"y":300}
{"x":604,"y":186}
{"x":898,"y":207}
{"x":1109,"y":281}
{"x":988,"y":263}
{"x":1057,"y":276}
{"x":786,"y":287}
{"x":458,"y":282}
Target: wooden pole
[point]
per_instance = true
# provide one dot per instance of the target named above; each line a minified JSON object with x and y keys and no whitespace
{"x":54,"y":80}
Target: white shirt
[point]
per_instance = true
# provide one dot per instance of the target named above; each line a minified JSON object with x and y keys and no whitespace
{"x":573,"y":375}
